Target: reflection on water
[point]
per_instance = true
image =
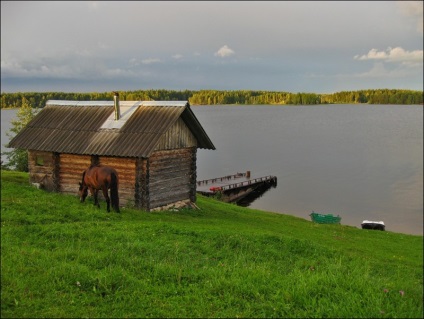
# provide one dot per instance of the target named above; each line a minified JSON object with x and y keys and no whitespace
{"x":253,"y":196}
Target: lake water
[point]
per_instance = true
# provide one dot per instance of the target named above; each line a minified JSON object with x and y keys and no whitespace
{"x":6,"y":117}
{"x":358,"y":161}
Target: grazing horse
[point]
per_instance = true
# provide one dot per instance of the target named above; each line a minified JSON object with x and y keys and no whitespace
{"x":98,"y":177}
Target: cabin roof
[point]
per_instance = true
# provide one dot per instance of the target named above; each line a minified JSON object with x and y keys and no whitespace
{"x":88,"y":127}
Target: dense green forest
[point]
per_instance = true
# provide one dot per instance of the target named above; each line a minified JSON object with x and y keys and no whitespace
{"x":214,"y":97}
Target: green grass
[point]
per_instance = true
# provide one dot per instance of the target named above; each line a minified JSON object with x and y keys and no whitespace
{"x":61,"y":258}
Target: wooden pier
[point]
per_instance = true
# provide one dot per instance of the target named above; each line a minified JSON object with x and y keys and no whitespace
{"x":233,"y":188}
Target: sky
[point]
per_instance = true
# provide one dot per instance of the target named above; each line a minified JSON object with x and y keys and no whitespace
{"x":289,"y":46}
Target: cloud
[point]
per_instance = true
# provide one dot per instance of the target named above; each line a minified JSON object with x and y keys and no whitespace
{"x":393,"y":55}
{"x":31,"y":69}
{"x":133,"y":62}
{"x":177,"y":56}
{"x":94,"y":4}
{"x":150,"y":61}
{"x":379,"y":70}
{"x":224,"y":52}
{"x":137,"y":62}
{"x":64,"y":68}
{"x":414,"y":10}
{"x":117,"y":72}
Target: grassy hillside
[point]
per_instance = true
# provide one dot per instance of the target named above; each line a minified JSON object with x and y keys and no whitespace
{"x":61,"y":258}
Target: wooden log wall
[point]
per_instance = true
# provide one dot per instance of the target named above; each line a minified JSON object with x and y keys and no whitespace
{"x":142,"y":194}
{"x":43,"y":173}
{"x":193,"y":175}
{"x":170,"y":176}
{"x":71,"y":168}
{"x":126,"y":169}
{"x":177,"y":137}
{"x":167,"y":177}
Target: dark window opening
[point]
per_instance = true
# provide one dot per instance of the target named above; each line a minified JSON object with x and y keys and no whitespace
{"x":39,"y":160}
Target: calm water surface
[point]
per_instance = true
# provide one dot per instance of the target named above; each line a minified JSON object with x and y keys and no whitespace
{"x":362,"y":162}
{"x":6,"y":117}
{"x":359,"y":161}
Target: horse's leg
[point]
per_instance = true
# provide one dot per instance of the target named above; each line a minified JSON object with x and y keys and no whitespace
{"x":96,"y":200}
{"x":106,"y":195}
{"x":91,"y":189}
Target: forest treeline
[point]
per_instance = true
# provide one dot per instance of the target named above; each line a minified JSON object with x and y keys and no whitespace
{"x":215,"y":97}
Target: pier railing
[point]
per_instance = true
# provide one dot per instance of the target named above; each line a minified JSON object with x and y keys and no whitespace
{"x":247,"y":183}
{"x":221,"y":179}
{"x":226,"y":183}
{"x":235,"y":187}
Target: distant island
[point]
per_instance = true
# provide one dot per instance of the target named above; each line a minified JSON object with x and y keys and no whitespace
{"x":216,"y":97}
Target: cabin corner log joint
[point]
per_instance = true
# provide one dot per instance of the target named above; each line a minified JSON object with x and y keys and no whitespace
{"x":152,"y":145}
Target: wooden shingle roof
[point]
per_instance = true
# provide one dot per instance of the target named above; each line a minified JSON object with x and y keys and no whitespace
{"x":85,"y":127}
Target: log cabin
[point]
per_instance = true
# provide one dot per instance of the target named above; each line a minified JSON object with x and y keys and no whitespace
{"x":151,"y":144}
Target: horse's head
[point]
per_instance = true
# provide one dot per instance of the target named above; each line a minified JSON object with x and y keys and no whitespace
{"x":82,"y":192}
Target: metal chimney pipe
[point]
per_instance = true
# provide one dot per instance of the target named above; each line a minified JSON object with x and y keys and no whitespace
{"x":116,"y":103}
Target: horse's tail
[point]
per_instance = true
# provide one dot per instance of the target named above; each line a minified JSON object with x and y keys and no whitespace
{"x":82,"y":180}
{"x":114,"y":192}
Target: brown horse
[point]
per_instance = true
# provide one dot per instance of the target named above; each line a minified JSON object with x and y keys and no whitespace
{"x":98,"y":177}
